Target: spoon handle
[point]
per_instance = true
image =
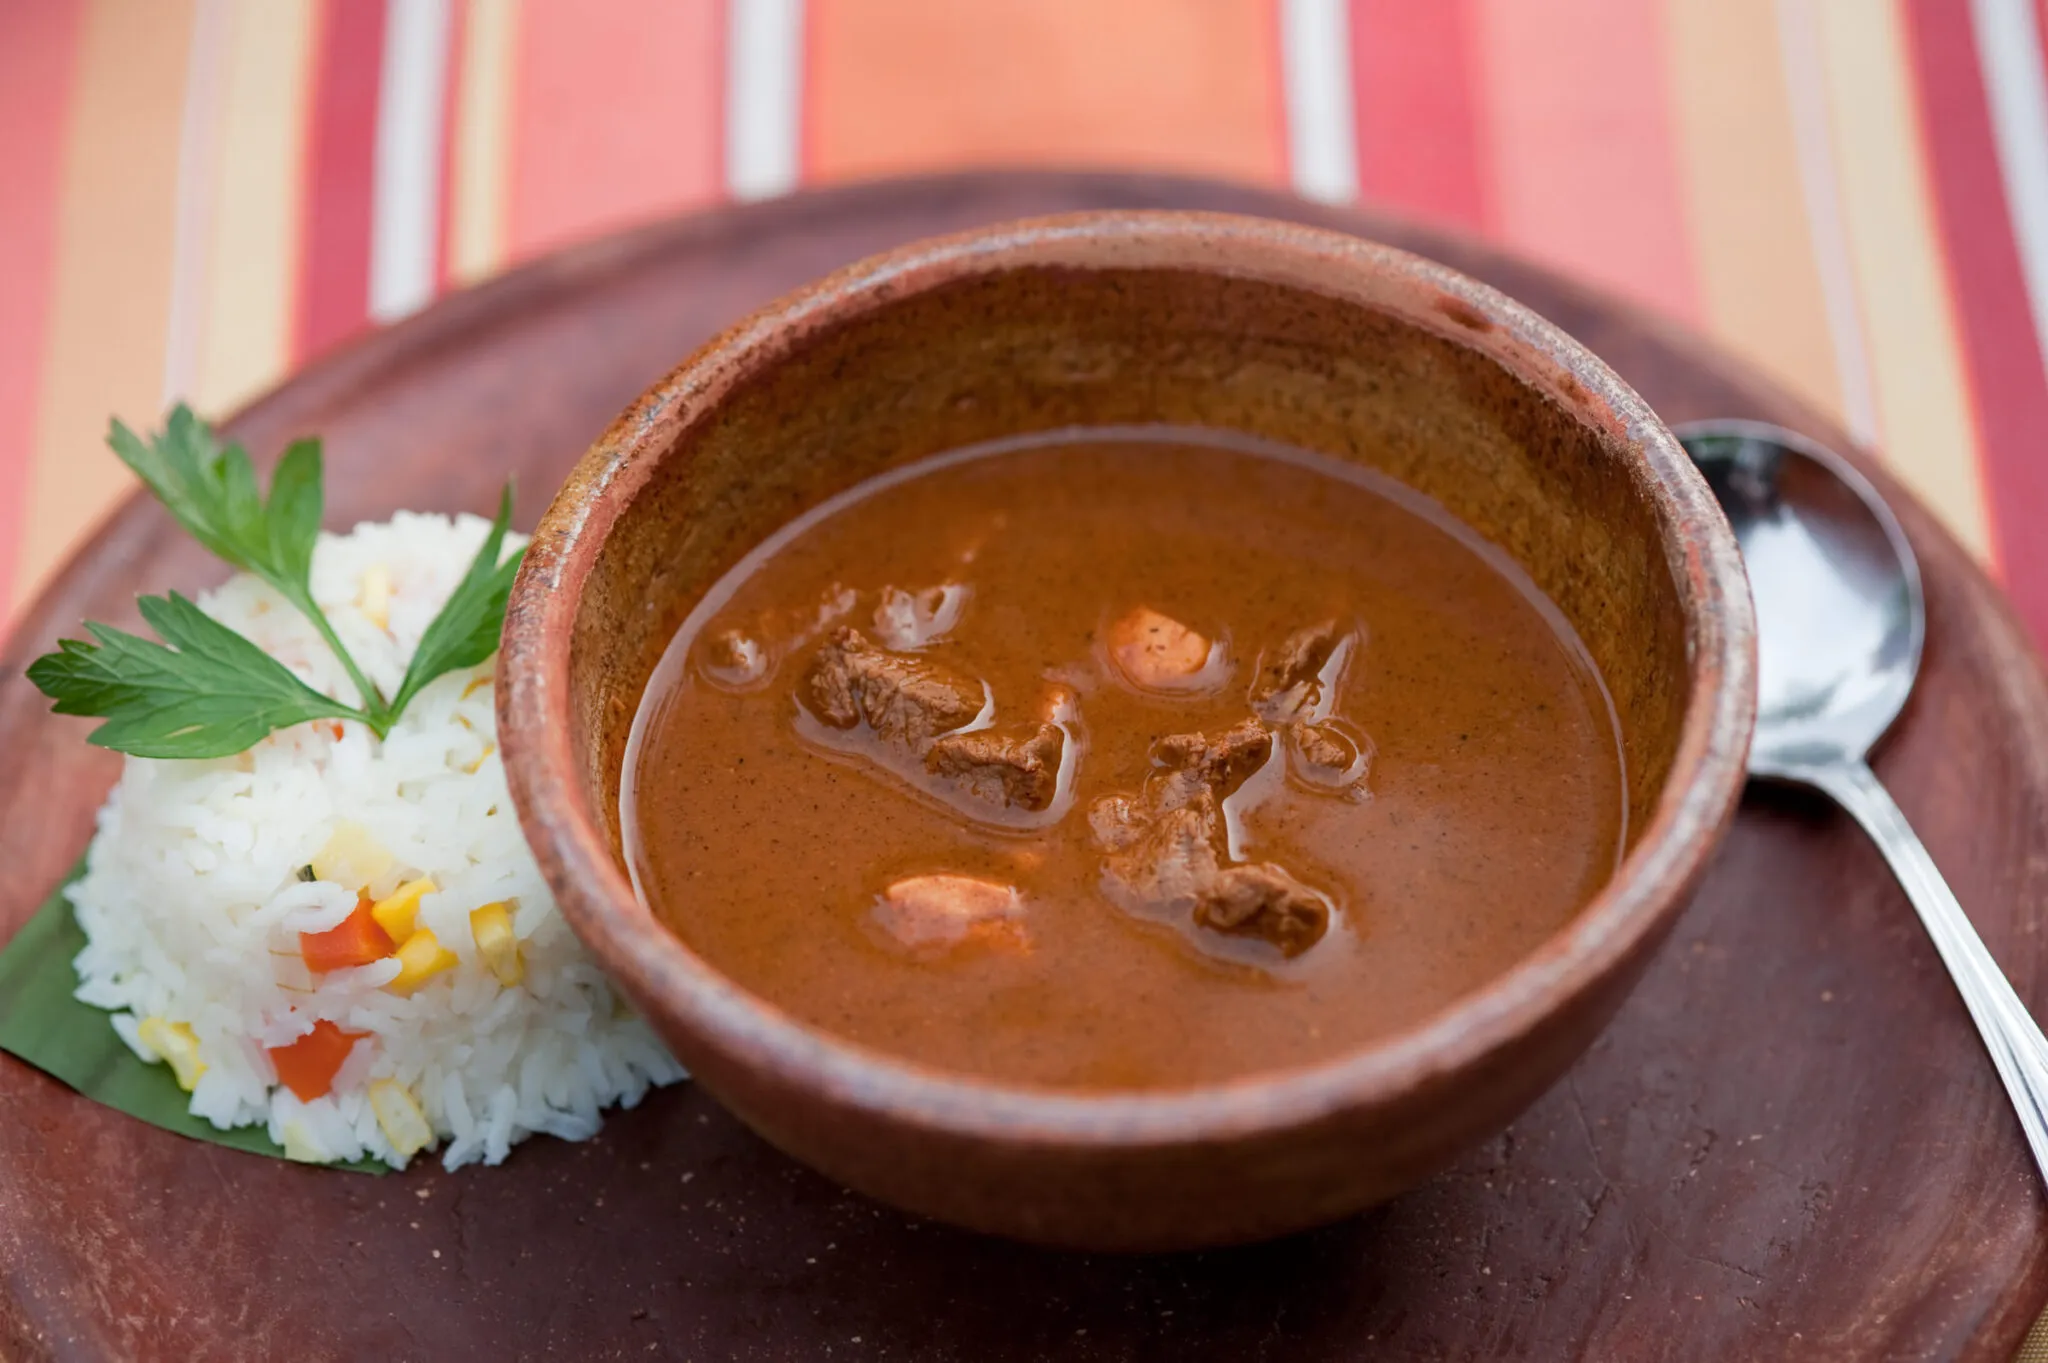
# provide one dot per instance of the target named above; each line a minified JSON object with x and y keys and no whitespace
{"x":2018,"y":1049}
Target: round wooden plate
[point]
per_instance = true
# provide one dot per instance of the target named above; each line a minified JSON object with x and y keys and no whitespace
{"x":1788,"y":1144}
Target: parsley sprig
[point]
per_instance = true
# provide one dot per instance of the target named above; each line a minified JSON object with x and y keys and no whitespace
{"x":205,"y":691}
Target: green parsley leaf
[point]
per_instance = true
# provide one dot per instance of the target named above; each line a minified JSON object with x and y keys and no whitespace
{"x":210,"y":693}
{"x":213,"y":493}
{"x":292,"y":519}
{"x":466,"y":631}
{"x":205,"y":691}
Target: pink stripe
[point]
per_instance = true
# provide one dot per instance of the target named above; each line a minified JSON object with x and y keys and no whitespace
{"x":334,"y":273}
{"x":1419,"y":148}
{"x":1990,"y":290}
{"x":617,"y":116}
{"x":1578,"y":119}
{"x":38,"y":60}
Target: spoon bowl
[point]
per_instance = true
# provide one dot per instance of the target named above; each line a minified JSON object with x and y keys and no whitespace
{"x":1841,"y":625}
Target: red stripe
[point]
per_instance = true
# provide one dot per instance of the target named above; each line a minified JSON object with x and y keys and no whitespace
{"x":1419,"y":146}
{"x":616,"y":117}
{"x":1276,"y":87}
{"x":38,"y":62}
{"x":451,"y":99}
{"x":2001,"y":350}
{"x":334,"y":272}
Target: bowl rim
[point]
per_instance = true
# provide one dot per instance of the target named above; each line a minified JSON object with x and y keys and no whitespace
{"x":1631,"y":910}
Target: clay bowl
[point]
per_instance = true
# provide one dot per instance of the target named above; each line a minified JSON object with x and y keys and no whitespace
{"x":1290,"y":333}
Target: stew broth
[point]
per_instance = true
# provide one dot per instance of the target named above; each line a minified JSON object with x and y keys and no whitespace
{"x":1122,"y":760}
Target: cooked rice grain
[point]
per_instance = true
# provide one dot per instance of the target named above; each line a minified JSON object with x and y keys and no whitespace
{"x":192,"y":901}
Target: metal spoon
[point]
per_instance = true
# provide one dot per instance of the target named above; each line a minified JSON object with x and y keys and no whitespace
{"x":1840,"y":621}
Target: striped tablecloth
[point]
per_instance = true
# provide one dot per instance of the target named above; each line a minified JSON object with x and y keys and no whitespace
{"x":201,"y":194}
{"x":198,"y":195}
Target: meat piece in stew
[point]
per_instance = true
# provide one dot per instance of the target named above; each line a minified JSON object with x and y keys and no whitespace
{"x":907,"y":701}
{"x":1291,"y":684}
{"x":1167,"y":850}
{"x":1020,"y":769}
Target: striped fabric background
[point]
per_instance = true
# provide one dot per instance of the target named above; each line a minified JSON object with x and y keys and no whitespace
{"x":201,"y":194}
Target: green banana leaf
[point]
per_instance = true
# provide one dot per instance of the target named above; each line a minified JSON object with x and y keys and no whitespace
{"x":73,"y":1042}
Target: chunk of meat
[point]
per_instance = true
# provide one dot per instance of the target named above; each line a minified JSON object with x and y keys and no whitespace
{"x":1165,"y":852}
{"x":905,"y":700}
{"x":1219,"y":764}
{"x":1169,"y":860}
{"x":941,"y":912}
{"x":733,"y":661}
{"x":1002,"y":768}
{"x":1325,"y":747}
{"x":1266,"y":902}
{"x":1327,"y":757}
{"x":1158,"y":653}
{"x":1117,"y":821}
{"x":1290,"y":681}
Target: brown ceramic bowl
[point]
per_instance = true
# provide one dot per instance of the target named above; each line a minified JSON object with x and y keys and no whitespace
{"x":1291,"y":333}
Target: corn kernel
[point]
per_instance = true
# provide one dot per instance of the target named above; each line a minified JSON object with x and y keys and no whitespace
{"x":398,"y":911}
{"x":352,"y":858}
{"x":399,"y":1114}
{"x":419,"y":960}
{"x":299,"y":1146}
{"x":375,"y":601}
{"x":178,"y":1044}
{"x":491,"y":925}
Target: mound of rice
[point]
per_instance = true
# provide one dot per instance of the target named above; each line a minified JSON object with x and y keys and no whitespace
{"x":193,"y":898}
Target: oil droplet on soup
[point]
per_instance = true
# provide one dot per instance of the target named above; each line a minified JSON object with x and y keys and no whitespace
{"x":1129,"y":759}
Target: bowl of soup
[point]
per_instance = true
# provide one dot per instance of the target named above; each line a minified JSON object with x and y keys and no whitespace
{"x":1132,"y":730}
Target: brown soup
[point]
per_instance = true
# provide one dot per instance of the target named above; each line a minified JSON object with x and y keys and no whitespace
{"x":1122,"y":759}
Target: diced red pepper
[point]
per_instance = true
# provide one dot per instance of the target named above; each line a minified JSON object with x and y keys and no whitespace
{"x":308,"y":1065}
{"x":358,"y":941}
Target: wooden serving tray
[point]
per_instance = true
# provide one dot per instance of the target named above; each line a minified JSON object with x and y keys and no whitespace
{"x":1789,"y":1144}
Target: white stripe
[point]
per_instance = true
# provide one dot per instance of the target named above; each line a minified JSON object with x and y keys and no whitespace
{"x":198,"y":179}
{"x":2009,"y":50}
{"x":405,"y":214}
{"x":1805,"y":77}
{"x":763,"y":97}
{"x":1322,"y":143}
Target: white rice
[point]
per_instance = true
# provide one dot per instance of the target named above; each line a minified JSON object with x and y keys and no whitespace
{"x":192,"y":902}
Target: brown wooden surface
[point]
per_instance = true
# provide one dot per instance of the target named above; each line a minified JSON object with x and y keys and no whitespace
{"x":1789,"y":1144}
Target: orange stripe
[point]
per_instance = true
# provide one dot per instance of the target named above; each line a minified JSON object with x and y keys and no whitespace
{"x":477,"y":140}
{"x":459,"y":21}
{"x":1575,"y":103}
{"x":253,"y":254}
{"x":37,"y":62}
{"x":112,"y":287}
{"x":615,"y":120}
{"x":906,"y":85}
{"x":1760,"y":290}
